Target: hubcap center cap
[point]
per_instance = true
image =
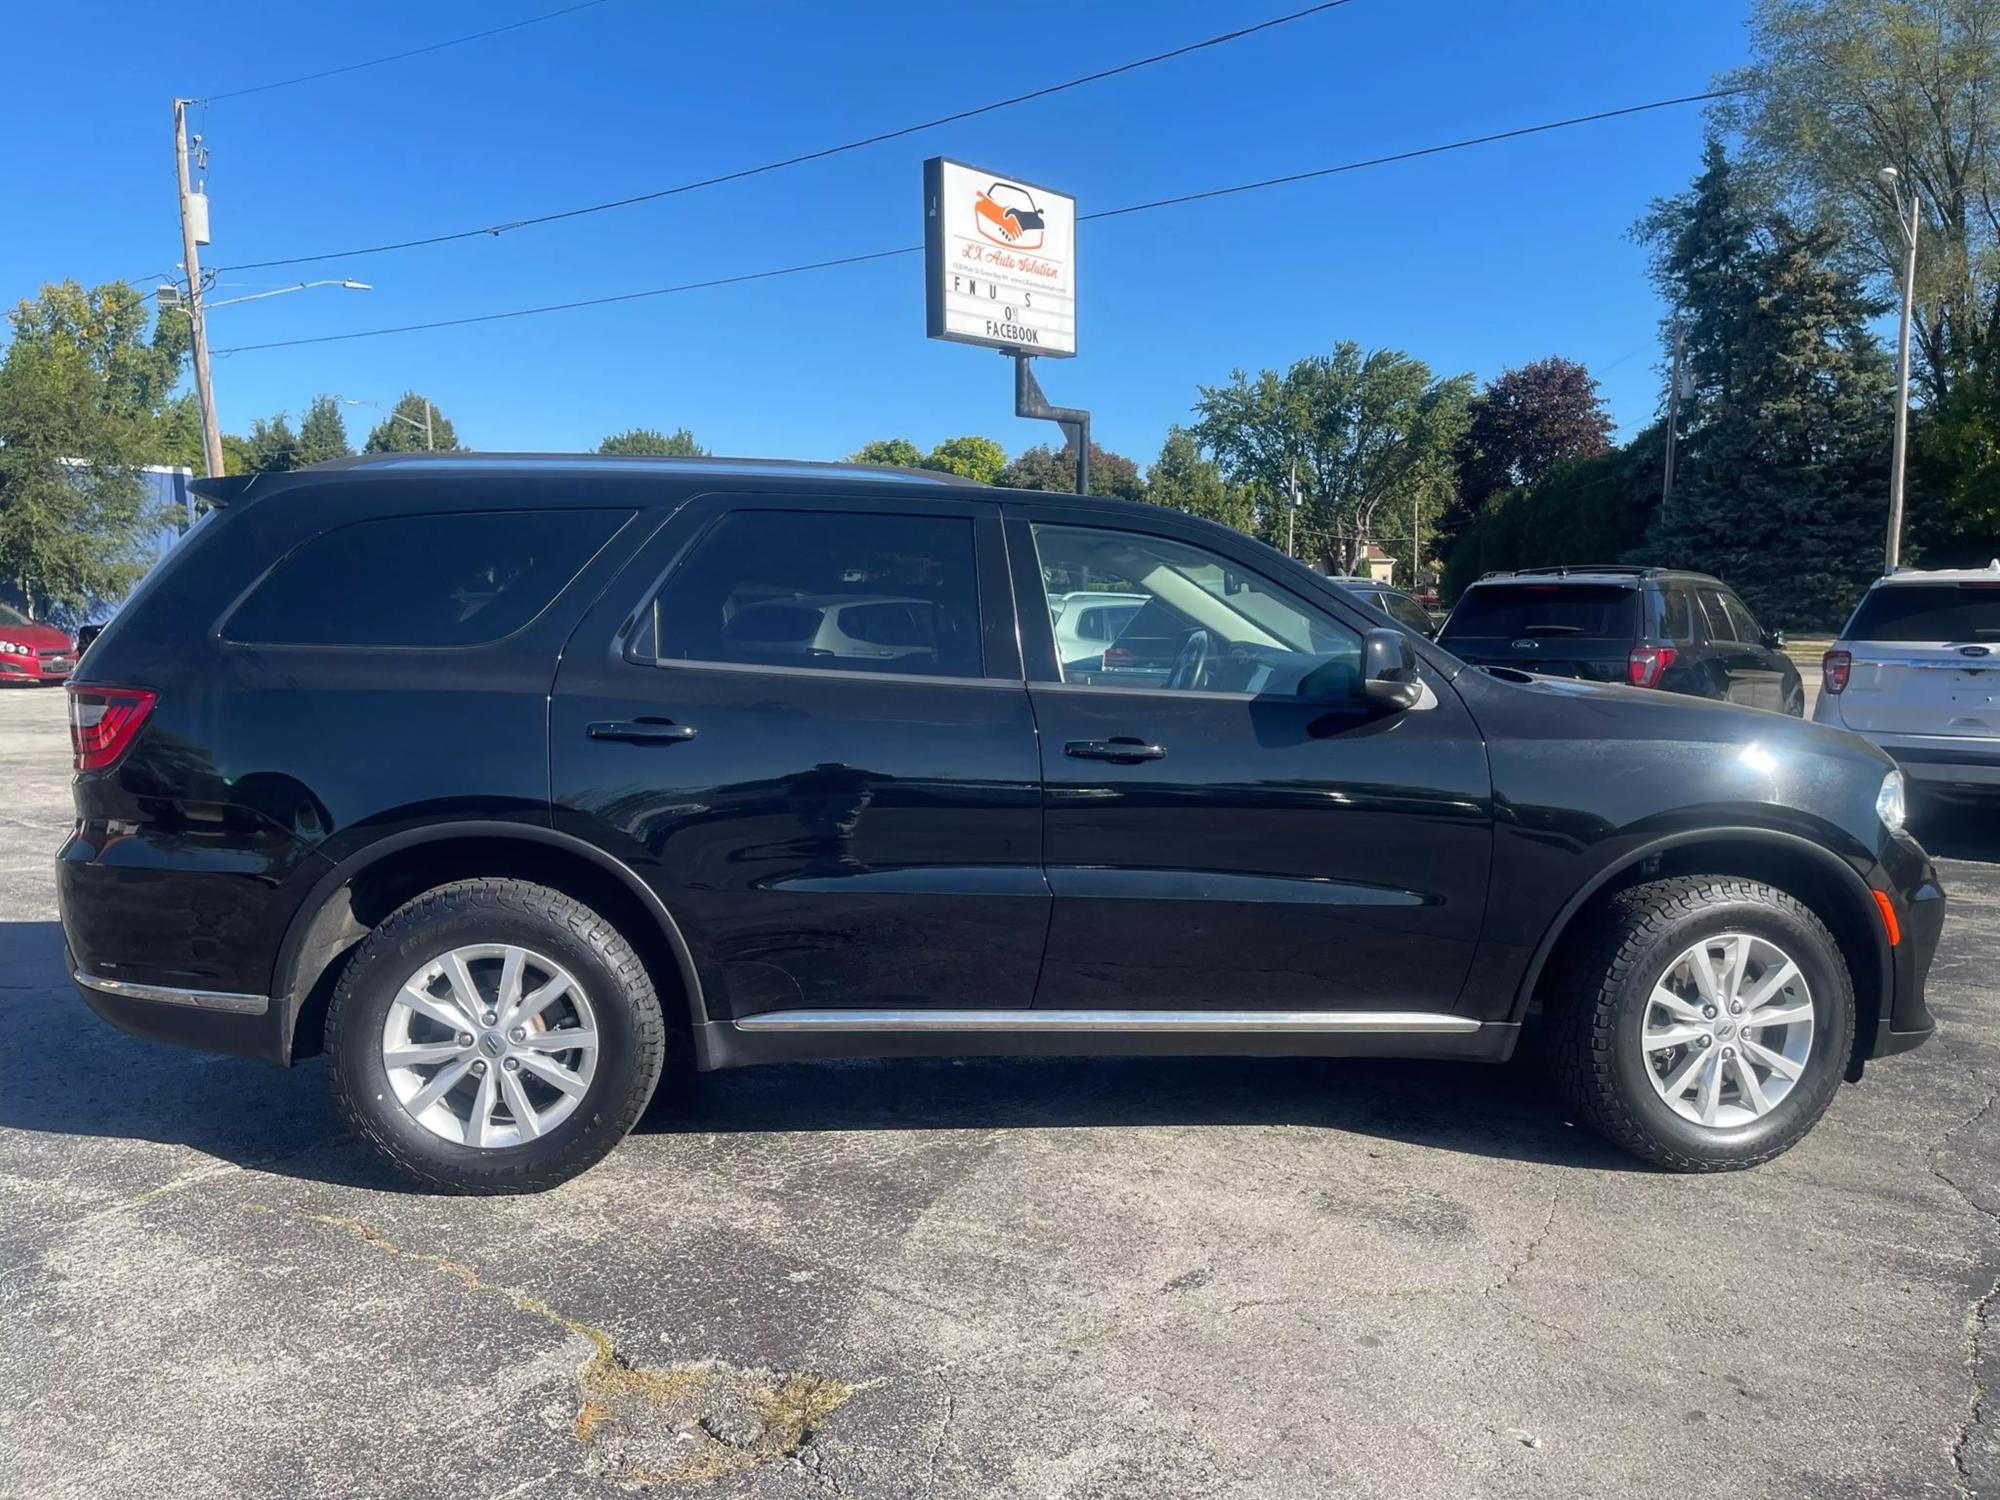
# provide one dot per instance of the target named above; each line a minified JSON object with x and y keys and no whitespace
{"x":492,"y":1044}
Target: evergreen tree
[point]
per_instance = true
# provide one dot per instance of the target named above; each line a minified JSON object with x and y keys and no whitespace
{"x":403,"y":430}
{"x":1781,"y":478}
{"x":272,"y":446}
{"x":323,"y":434}
{"x":651,"y":443}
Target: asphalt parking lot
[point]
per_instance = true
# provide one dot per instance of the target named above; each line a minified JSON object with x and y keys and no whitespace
{"x":1237,"y":1278}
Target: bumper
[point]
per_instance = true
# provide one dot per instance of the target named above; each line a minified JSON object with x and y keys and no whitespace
{"x":32,"y":669}
{"x":1919,"y":902}
{"x":1943,"y":760}
{"x":214,"y":1021}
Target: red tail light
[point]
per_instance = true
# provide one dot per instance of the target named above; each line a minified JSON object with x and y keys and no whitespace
{"x":1834,"y":668}
{"x":102,"y":722}
{"x":1115,"y":656}
{"x":1644,"y":666}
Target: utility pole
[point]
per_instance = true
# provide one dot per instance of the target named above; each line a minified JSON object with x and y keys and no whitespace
{"x":204,"y":390}
{"x":1416,"y":539}
{"x":1673,"y":417}
{"x":1892,"y":552}
{"x":429,"y":446}
{"x":1292,"y":512}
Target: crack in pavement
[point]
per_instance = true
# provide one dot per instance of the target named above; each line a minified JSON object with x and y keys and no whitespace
{"x":1976,"y":1314}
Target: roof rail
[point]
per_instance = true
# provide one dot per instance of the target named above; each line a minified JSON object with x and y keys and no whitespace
{"x":1637,"y":570}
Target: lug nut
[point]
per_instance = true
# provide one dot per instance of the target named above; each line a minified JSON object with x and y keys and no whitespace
{"x":1708,"y":1011}
{"x":479,"y":1070}
{"x":465,"y":1039}
{"x":513,"y":1065}
{"x":1736,"y":1007}
{"x":1704,"y":1042}
{"x":491,"y":1018}
{"x":518,"y":1033}
{"x":1728,"y":1052}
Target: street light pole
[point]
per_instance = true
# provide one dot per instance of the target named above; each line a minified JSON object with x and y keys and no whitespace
{"x":204,"y":390}
{"x":1892,"y":552}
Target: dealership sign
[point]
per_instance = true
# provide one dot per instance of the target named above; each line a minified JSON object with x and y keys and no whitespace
{"x":1000,"y":260}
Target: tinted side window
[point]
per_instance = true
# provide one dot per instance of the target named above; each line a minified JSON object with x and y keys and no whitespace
{"x":449,"y":579}
{"x":1716,"y":615}
{"x":1408,"y":612}
{"x":850,"y":591}
{"x":1676,"y":612}
{"x":1205,"y":625}
{"x":1746,"y":626}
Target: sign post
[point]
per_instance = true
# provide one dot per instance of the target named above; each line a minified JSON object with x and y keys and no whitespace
{"x":1000,"y":272}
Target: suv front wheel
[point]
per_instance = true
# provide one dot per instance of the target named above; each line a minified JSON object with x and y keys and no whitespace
{"x":1704,"y":1023}
{"x":493,"y":1036}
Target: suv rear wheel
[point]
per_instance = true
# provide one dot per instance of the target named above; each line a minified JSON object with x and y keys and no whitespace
{"x":1704,"y":1023}
{"x":493,"y":1036}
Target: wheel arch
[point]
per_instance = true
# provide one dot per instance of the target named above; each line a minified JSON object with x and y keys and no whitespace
{"x":361,"y":890}
{"x":1814,"y":874}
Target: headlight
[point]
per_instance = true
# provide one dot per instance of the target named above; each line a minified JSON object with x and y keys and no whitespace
{"x":15,"y":649}
{"x":1889,"y":802}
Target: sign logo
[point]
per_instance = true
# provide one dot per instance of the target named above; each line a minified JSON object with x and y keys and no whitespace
{"x":1525,"y":645}
{"x":1975,"y":651}
{"x":1006,"y":214}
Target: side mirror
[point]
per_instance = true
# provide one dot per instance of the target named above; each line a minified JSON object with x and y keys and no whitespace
{"x":1389,"y":669}
{"x":1775,"y":639}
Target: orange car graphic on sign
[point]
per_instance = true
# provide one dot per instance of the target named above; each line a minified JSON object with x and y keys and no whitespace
{"x":1006,"y":214}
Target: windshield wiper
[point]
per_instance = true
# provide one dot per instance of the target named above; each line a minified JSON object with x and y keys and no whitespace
{"x":1552,"y":630}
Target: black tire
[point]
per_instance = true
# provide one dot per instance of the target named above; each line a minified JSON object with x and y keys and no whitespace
{"x":1597,"y":1001}
{"x":629,"y":1023}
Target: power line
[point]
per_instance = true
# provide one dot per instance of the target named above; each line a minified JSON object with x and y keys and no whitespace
{"x":792,"y":161}
{"x":1108,"y":213}
{"x":376,"y":62}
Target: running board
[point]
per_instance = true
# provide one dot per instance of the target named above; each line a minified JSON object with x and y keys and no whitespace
{"x":1182,"y":1022}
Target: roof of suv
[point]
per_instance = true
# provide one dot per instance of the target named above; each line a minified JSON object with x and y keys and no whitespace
{"x":1595,"y":573}
{"x":1988,"y":574}
{"x":529,"y":465}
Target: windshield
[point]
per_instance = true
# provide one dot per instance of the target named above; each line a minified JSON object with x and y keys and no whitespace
{"x":1928,"y":612}
{"x":11,"y":616}
{"x":1491,"y":610}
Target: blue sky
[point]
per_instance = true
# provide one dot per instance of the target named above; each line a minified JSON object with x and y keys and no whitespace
{"x":1474,"y":260}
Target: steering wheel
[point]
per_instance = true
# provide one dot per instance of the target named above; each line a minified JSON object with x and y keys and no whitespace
{"x":1191,"y":666}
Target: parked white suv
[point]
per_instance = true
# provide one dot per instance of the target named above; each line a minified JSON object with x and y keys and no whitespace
{"x":1917,"y":671}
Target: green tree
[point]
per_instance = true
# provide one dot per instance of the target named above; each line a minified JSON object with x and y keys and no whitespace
{"x":1836,"y":90}
{"x":1054,"y":469}
{"x":84,"y":396}
{"x":1781,"y":476}
{"x":654,"y":444}
{"x":323,"y":433}
{"x":272,"y":446}
{"x":897,"y":453}
{"x":402,"y":431}
{"x":1186,"y":479}
{"x":975,"y":458}
{"x":1374,"y":437}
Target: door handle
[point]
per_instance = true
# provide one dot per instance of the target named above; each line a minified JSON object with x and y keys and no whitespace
{"x":1123,"y":750}
{"x":641,"y":731}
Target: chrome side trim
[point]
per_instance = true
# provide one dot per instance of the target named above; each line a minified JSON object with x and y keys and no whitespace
{"x":242,"y":1005}
{"x":1349,"y":1021}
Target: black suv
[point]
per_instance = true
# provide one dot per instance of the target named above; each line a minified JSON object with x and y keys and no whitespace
{"x":513,"y":781}
{"x":1646,"y":627}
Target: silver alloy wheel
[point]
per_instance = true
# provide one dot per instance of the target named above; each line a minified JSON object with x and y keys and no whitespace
{"x":490,"y":1045}
{"x":1728,"y":1029}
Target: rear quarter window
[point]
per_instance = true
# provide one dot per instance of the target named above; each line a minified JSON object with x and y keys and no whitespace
{"x":1927,"y":612}
{"x":461,"y":578}
{"x":1598,"y":611}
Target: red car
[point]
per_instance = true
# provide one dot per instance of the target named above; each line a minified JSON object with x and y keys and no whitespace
{"x":33,"y":653}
